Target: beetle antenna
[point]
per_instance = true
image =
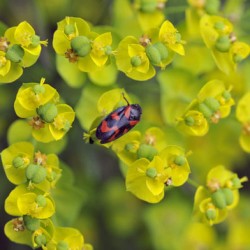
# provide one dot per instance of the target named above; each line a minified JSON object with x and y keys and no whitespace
{"x":125,"y":98}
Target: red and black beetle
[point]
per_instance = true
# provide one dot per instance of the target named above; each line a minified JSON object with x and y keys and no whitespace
{"x":118,"y":122}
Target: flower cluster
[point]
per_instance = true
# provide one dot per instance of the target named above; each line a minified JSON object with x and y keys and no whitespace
{"x":137,"y":57}
{"x":220,"y":195}
{"x":20,"y":47}
{"x":213,"y":102}
{"x":227,"y":51}
{"x":49,"y":119}
{"x":151,"y":164}
{"x":74,"y":40}
{"x":35,"y":175}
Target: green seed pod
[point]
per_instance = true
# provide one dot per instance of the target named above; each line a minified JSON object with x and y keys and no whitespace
{"x":36,"y":173}
{"x":219,"y":25}
{"x":205,"y":110}
{"x":62,"y":245}
{"x":162,"y":50}
{"x":18,"y":162}
{"x":211,"y":214}
{"x":40,"y":240}
{"x":237,"y":58}
{"x":15,"y":53}
{"x":47,"y":112}
{"x":227,"y":95}
{"x":130,"y":147}
{"x":148,"y":6}
{"x":69,"y":29}
{"x":151,"y":172}
{"x":31,"y":223}
{"x":153,"y":54}
{"x":212,"y":6}
{"x":212,"y":103}
{"x":189,"y":121}
{"x":146,"y":151}
{"x":35,"y":40}
{"x":41,"y":200}
{"x":218,"y":199}
{"x":229,"y":197}
{"x":108,"y":50}
{"x":81,"y":45}
{"x":180,"y":160}
{"x":223,"y":43}
{"x":236,"y":183}
{"x":136,"y":61}
{"x":39,"y":89}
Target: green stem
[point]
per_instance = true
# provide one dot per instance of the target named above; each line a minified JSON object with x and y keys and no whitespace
{"x":193,"y":183}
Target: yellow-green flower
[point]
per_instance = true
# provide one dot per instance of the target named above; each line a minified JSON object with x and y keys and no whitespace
{"x":176,"y":164}
{"x":32,"y":95}
{"x":170,"y":36}
{"x":131,"y":58}
{"x":213,"y":102}
{"x":15,"y":159}
{"x":193,"y":123}
{"x":239,"y":51}
{"x":74,"y":40}
{"x":25,"y":36}
{"x":101,"y":49}
{"x":243,"y":115}
{"x":22,"y":164}
{"x":24,"y":201}
{"x":220,"y":195}
{"x":146,"y":180}
{"x":65,"y":238}
{"x":135,"y":145}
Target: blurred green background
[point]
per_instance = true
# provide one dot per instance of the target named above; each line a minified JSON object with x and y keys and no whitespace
{"x":107,"y":215}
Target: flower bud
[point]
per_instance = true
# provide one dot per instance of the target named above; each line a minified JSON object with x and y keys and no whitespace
{"x":40,"y":240}
{"x":18,"y":162}
{"x":69,"y":29}
{"x":35,"y":40}
{"x":36,"y":173}
{"x":62,"y":245}
{"x":131,"y":147}
{"x":180,"y":160}
{"x":151,"y":172}
{"x":32,"y":224}
{"x":227,"y":95}
{"x":47,"y":112}
{"x":108,"y":50}
{"x":81,"y":45}
{"x":211,"y":214}
{"x":146,"y":151}
{"x":189,"y":120}
{"x":218,"y":199}
{"x":212,"y":6}
{"x":223,"y":43}
{"x":153,"y":54}
{"x":237,"y":58}
{"x":205,"y":110}
{"x":219,"y":26}
{"x":162,"y":50}
{"x":15,"y":53}
{"x":38,"y":89}
{"x":212,"y":103}
{"x":136,"y":61}
{"x":41,"y":200}
{"x":228,"y":194}
{"x":236,"y":183}
{"x":148,"y":6}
